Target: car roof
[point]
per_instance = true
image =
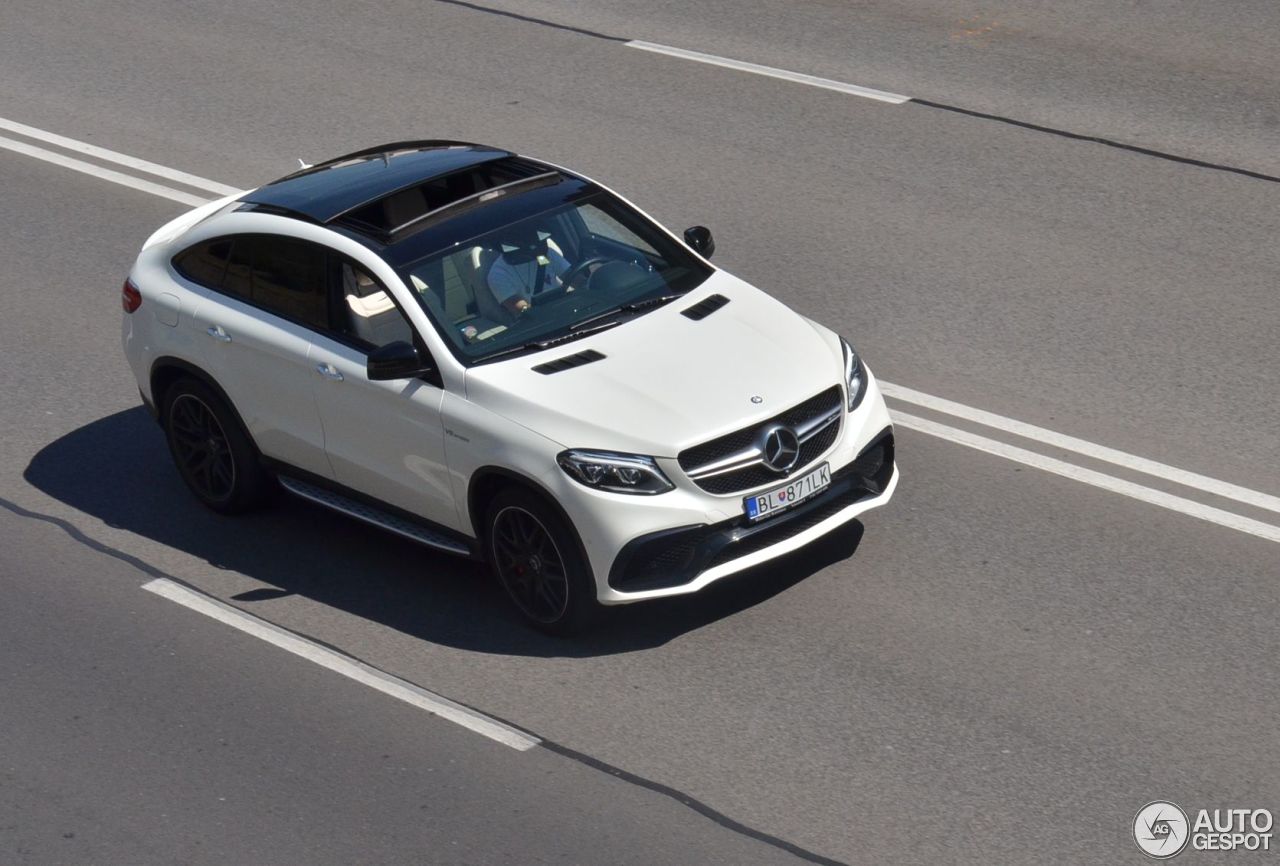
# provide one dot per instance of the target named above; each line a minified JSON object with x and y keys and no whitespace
{"x":324,"y":192}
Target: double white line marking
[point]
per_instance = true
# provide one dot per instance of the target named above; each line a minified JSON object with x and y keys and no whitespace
{"x":1242,"y":495}
{"x":1089,"y":476}
{"x":895,"y":393}
{"x":1133,"y":490}
{"x":111,"y":156}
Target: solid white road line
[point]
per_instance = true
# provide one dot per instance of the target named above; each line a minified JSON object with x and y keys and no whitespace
{"x":907,"y":395}
{"x":770,"y":71}
{"x":342,"y":664}
{"x":1088,"y":449}
{"x":104,"y":173}
{"x":1089,"y":476}
{"x":119,"y":158}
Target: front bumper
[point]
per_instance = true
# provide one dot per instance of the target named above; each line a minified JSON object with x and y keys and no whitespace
{"x":612,"y":527}
{"x":677,"y":559}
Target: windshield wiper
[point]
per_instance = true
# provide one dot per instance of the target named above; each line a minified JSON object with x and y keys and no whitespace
{"x":547,"y":344}
{"x":626,"y":308}
{"x":585,"y":327}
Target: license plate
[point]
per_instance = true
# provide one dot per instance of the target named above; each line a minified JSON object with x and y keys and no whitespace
{"x":792,"y":493}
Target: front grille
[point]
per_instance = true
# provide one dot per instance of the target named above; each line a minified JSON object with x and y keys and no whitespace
{"x":758,"y":474}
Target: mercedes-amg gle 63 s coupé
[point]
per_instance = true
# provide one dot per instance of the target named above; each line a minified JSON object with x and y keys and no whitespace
{"x":500,"y":358}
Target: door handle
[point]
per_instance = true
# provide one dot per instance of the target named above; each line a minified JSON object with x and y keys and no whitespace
{"x":218,"y":333}
{"x":329,"y":372}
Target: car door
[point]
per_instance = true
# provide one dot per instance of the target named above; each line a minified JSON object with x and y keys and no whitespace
{"x":255,"y":328}
{"x":384,"y":439}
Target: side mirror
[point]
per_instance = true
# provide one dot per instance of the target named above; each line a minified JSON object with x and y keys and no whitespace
{"x":398,"y":360}
{"x":699,"y":237}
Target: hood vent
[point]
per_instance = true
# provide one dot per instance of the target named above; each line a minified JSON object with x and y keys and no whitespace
{"x":568,"y":362}
{"x":705,"y":307}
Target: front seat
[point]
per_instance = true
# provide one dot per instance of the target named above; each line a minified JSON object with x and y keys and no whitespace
{"x":475,"y":271}
{"x":479,"y":260}
{"x":374,"y":317}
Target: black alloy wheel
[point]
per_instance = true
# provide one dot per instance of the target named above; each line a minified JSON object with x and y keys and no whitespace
{"x":200,"y":446}
{"x":535,"y":558}
{"x":214,"y":455}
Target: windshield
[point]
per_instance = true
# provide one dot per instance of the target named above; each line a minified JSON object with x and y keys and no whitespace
{"x":551,"y":276}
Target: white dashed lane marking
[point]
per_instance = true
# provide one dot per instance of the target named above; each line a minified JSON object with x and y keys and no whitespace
{"x":771,"y":72}
{"x":335,"y":661}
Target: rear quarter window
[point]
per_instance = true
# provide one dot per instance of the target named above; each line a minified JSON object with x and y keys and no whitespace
{"x":289,"y":278}
{"x":205,"y":263}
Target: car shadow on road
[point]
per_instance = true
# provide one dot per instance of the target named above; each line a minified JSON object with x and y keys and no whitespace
{"x":118,"y":470}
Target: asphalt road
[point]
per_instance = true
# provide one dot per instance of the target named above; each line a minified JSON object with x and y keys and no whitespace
{"x":1001,"y":666}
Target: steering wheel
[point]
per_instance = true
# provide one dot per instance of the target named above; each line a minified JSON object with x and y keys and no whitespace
{"x":576,"y":271}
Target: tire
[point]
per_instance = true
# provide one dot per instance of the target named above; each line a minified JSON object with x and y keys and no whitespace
{"x":211,"y":450}
{"x":536,"y":557}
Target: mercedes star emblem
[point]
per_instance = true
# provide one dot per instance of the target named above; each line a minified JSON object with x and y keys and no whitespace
{"x":781,"y":449}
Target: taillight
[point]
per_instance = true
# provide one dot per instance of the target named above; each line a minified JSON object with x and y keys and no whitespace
{"x":130,"y":297}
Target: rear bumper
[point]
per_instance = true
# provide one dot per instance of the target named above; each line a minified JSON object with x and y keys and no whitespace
{"x":685,"y":559}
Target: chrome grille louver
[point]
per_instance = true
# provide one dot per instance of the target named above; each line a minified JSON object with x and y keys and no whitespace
{"x":735,"y":462}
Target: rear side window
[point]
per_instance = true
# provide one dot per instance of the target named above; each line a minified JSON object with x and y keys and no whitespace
{"x":288,"y":277}
{"x":238,"y":279}
{"x":281,"y":275}
{"x":205,"y":263}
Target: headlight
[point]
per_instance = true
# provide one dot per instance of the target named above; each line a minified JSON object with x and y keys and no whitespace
{"x":619,"y":473}
{"x":855,"y":375}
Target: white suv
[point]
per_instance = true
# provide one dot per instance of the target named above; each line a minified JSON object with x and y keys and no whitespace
{"x":499,"y":358}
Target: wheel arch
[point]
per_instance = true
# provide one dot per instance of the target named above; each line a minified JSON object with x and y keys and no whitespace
{"x":166,"y":370}
{"x":488,"y":481}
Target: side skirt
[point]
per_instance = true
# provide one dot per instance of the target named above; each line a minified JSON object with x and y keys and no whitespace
{"x":382,"y":517}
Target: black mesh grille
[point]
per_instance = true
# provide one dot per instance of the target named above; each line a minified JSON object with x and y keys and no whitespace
{"x":875,"y":464}
{"x":759,"y":475}
{"x":745,"y":479}
{"x":869,"y":462}
{"x":666,"y":562}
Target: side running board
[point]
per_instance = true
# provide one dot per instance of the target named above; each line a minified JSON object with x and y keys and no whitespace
{"x":375,"y":516}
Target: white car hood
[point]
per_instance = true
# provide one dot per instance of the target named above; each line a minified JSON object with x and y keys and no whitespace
{"x":668,"y":382}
